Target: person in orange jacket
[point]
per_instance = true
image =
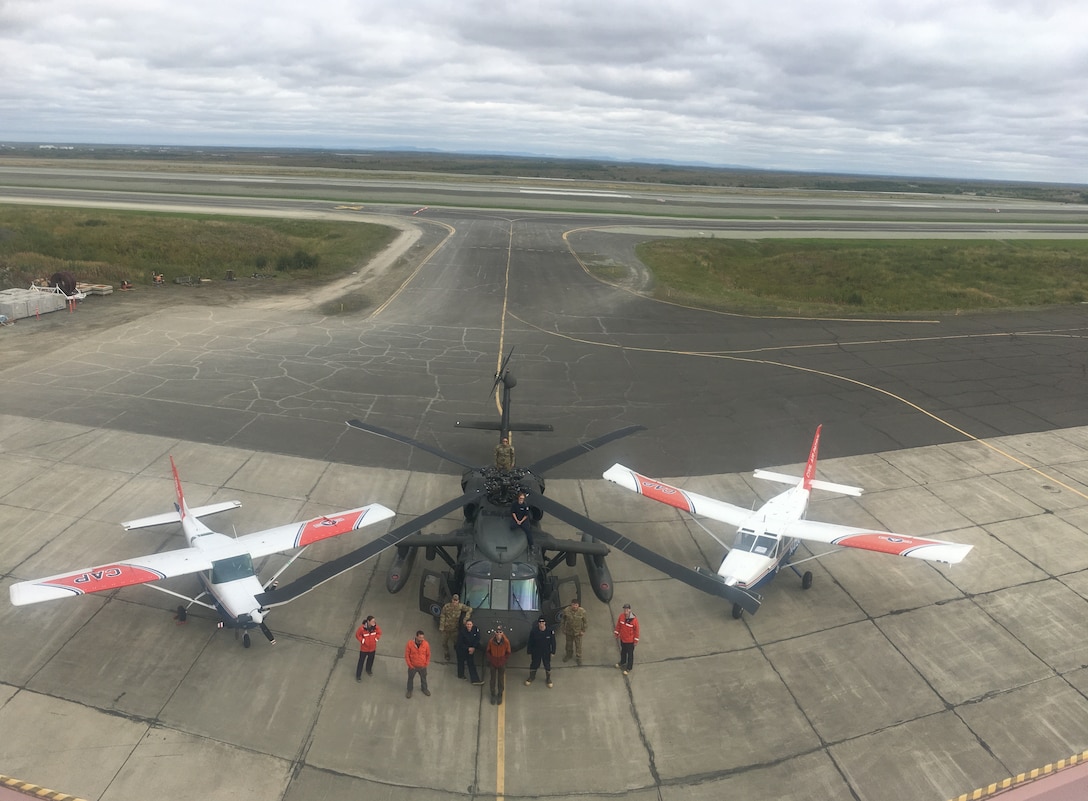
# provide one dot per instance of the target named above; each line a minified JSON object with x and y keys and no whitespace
{"x":417,"y":654}
{"x":498,"y":652}
{"x":368,"y":635}
{"x":626,"y":632}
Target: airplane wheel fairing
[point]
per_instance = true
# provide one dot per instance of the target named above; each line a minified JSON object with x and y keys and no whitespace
{"x":738,"y":611}
{"x":806,"y":580}
{"x":246,"y":642}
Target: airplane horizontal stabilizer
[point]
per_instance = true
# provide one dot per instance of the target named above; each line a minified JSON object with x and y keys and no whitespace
{"x":175,"y":517}
{"x":829,"y":486}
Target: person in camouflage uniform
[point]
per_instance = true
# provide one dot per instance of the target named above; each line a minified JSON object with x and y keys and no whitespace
{"x":504,"y":455}
{"x":574,"y":626}
{"x":449,"y":622}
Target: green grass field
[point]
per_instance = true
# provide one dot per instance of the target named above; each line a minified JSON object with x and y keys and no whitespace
{"x":865,"y":277}
{"x":101,"y":246}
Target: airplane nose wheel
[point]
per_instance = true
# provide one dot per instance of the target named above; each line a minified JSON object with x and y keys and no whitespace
{"x":806,"y":580}
{"x":738,"y":610}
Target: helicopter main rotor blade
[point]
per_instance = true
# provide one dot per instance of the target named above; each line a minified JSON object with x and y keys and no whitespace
{"x":501,"y":372}
{"x":749,"y":601}
{"x":329,"y":570}
{"x":556,"y":459}
{"x":415,"y":443}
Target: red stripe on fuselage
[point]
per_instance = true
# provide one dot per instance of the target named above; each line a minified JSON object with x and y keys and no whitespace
{"x":663,"y":493}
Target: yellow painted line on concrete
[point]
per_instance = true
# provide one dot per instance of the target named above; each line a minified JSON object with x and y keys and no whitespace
{"x":34,"y":790}
{"x":1022,"y":778}
{"x":500,"y":752}
{"x":823,"y":373}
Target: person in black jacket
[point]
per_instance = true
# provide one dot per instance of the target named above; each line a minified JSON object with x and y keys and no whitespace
{"x":541,"y":647}
{"x":468,"y":642}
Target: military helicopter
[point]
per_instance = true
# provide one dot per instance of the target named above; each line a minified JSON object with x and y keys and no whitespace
{"x":489,"y":564}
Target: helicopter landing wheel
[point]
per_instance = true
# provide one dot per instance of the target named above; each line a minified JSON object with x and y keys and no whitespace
{"x":806,"y":580}
{"x":738,"y":610}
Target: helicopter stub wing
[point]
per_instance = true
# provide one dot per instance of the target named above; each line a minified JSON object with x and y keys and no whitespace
{"x":749,"y":601}
{"x":546,"y":542}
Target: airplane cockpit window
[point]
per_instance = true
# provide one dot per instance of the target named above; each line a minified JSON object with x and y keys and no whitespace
{"x":761,"y":544}
{"x":232,"y":568}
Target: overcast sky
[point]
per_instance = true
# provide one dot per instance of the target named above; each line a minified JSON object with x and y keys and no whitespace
{"x":961,"y":88}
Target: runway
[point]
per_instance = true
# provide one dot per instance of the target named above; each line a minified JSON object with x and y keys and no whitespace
{"x":883,"y":675}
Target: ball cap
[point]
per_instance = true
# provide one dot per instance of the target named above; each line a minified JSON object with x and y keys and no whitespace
{"x":627,"y":606}
{"x":542,"y":620}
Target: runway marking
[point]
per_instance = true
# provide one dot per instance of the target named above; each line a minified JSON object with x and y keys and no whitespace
{"x":825,"y":374}
{"x":500,"y":752}
{"x":415,"y":272}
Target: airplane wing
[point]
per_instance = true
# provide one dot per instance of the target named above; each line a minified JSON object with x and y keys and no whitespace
{"x":109,"y":577}
{"x":747,"y":599}
{"x":882,"y":541}
{"x":299,"y":535}
{"x":330,"y":570}
{"x":685,"y":501}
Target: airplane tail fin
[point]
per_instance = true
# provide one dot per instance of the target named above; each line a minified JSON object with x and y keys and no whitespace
{"x":810,"y":465}
{"x":809,"y":481}
{"x":183,"y":510}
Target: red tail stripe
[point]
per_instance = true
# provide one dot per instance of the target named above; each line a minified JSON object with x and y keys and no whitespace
{"x":810,"y":466}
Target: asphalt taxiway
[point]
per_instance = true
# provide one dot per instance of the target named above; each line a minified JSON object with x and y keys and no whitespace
{"x":887,"y":676}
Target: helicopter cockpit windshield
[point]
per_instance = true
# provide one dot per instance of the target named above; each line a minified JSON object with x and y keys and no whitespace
{"x":515,"y":593}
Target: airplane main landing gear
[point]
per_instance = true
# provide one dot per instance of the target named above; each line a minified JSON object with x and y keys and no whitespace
{"x":738,"y":611}
{"x":245,"y":640}
{"x":806,"y":580}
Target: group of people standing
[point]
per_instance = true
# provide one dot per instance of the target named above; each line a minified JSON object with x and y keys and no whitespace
{"x":460,"y":632}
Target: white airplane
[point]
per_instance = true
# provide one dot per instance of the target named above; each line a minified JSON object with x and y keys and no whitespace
{"x":768,"y":537}
{"x":224,"y":564}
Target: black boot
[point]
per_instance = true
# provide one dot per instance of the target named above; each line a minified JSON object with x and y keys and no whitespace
{"x":532,"y":676}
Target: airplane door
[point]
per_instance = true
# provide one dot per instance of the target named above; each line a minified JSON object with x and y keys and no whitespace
{"x":433,"y":593}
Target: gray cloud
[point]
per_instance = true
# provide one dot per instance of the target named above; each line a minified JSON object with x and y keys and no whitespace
{"x":974,"y":88}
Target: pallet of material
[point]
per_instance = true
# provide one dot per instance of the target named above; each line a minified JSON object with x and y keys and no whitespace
{"x":94,"y":289}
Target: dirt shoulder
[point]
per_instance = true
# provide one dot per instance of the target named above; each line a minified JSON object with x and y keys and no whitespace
{"x":367,"y":287}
